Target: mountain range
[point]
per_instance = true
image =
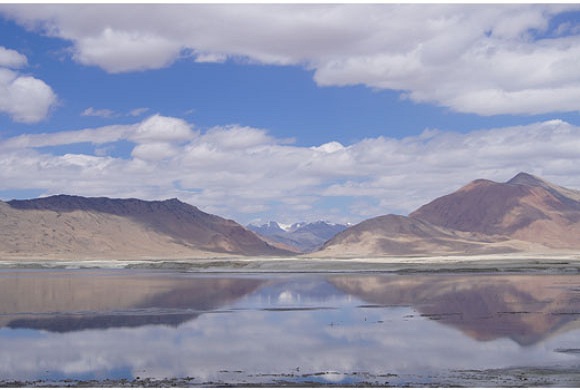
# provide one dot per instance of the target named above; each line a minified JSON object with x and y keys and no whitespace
{"x":300,"y":237}
{"x":524,"y":214}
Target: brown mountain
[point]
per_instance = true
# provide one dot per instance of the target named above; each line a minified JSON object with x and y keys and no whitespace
{"x":525,"y":208}
{"x":399,"y":235}
{"x":523,"y":214}
{"x":65,"y":226}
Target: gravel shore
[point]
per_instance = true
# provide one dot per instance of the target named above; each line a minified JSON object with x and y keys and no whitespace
{"x":476,"y":263}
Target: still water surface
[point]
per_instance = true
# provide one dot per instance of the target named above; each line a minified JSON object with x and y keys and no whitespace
{"x":370,"y":329}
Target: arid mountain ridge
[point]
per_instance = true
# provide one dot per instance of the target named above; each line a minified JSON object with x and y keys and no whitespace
{"x":65,"y":226}
{"x":524,"y":214}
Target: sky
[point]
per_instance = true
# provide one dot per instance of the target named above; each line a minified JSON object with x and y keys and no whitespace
{"x":286,"y":112}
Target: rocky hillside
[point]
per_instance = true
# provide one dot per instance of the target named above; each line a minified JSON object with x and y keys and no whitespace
{"x":525,"y":213}
{"x":400,"y":235}
{"x":525,"y":208}
{"x":76,"y":227}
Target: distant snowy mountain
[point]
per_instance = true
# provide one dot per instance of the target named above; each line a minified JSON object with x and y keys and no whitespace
{"x":268,"y":229}
{"x":302,"y":236}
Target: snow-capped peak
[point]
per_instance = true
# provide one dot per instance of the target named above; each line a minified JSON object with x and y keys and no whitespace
{"x":285,"y":227}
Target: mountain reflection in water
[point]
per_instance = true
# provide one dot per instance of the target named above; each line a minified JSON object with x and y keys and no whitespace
{"x":64,"y":301}
{"x":524,"y":308}
{"x":263,"y":328}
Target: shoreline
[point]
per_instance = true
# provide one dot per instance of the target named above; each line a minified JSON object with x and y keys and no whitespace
{"x":552,"y":263}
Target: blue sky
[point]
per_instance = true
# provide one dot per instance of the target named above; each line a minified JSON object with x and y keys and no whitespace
{"x":286,"y":112}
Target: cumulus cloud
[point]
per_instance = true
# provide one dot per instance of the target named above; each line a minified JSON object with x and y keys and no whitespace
{"x":155,"y":151}
{"x":12,"y":59}
{"x":24,"y":98}
{"x":120,"y":51}
{"x":162,"y":128}
{"x":238,"y":171}
{"x":484,"y":59}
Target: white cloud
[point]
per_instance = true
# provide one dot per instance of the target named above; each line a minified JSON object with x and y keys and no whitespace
{"x":107,"y":113}
{"x":103,"y":113}
{"x":99,"y":135}
{"x":12,"y":59}
{"x":236,"y":171}
{"x":161,"y":128}
{"x":156,"y":128}
{"x":155,"y":151}
{"x":485,"y":59}
{"x":329,"y":147}
{"x":120,"y":51}
{"x":24,"y":98}
{"x":237,"y":137}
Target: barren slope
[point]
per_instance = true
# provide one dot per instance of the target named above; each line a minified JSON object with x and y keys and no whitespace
{"x":525,"y":208}
{"x":525,"y":214}
{"x":76,"y":227}
{"x":399,"y":235}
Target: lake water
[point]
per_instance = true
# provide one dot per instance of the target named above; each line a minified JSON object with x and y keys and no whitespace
{"x":189,"y":329}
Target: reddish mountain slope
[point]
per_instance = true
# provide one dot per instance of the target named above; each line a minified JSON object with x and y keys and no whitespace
{"x":523,"y":214}
{"x":399,"y":235}
{"x":525,"y":208}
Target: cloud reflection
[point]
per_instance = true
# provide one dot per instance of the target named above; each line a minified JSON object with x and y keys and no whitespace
{"x":524,"y":308}
{"x":64,"y":301}
{"x":338,"y":337}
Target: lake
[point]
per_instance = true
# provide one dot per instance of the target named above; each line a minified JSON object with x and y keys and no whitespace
{"x":168,"y":328}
